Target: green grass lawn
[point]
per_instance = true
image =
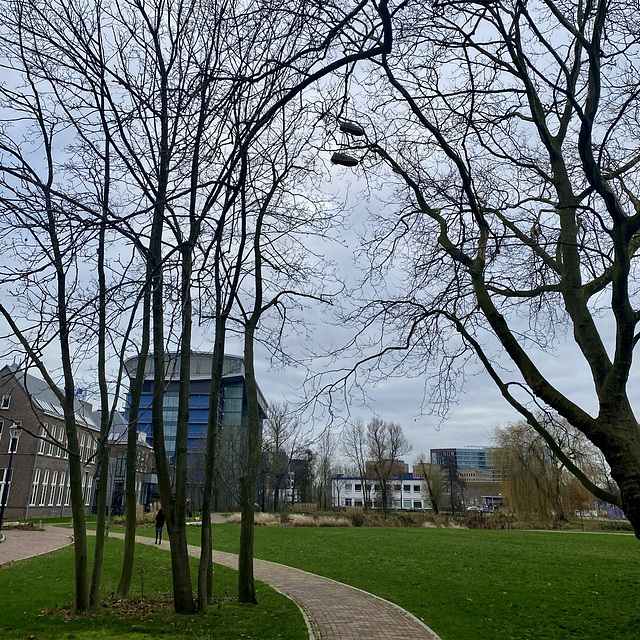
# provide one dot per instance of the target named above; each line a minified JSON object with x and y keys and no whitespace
{"x":469,"y":585}
{"x":37,"y":594}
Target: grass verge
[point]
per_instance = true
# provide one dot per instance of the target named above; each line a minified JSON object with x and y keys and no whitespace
{"x":37,"y":597}
{"x":474,"y":585}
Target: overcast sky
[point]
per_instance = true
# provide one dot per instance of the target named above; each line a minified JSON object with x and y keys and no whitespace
{"x":480,"y":406}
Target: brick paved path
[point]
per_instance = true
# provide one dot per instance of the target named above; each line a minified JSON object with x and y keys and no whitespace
{"x":332,"y":610}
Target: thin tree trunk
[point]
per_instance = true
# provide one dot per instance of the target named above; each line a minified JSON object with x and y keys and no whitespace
{"x":246,"y":585}
{"x":103,"y":451}
{"x":205,"y":569}
{"x":126,"y":572}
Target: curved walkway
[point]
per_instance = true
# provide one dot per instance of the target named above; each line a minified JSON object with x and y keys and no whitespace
{"x":20,"y":544}
{"x":332,"y":610}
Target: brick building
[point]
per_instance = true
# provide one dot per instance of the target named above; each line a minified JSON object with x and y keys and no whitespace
{"x":38,"y":486}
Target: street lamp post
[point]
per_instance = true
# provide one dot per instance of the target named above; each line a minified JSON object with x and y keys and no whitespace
{"x":15,"y":432}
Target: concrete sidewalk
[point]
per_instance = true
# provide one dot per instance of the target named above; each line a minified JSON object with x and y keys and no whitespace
{"x":19,"y":544}
{"x":332,"y":610}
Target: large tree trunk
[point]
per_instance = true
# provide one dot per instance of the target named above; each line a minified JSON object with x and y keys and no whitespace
{"x":176,"y":525}
{"x":619,"y":440}
{"x":177,"y":520}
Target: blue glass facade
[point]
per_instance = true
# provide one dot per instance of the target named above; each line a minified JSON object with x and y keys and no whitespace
{"x":233,"y":410}
{"x":465,"y":457}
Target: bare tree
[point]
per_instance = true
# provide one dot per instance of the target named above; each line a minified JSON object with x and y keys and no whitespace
{"x":385,"y":445}
{"x":355,"y":449}
{"x":434,"y":481}
{"x":179,"y":97}
{"x":454,"y":483}
{"x":283,"y":439}
{"x":325,"y":457}
{"x":517,"y":209}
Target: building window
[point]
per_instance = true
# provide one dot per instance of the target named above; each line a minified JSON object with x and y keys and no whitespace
{"x":357,"y":503}
{"x":54,"y":487}
{"x":1,"y":425}
{"x":406,"y":504}
{"x":358,"y":487}
{"x":5,"y":485}
{"x":87,"y":499}
{"x":83,"y":440}
{"x":416,"y":488}
{"x":121,"y":465}
{"x":45,"y":487}
{"x":63,"y":477}
{"x":198,"y":366}
{"x":407,"y":487}
{"x":152,"y":364}
{"x":6,"y":401}
{"x":13,"y":444}
{"x":52,"y":446}
{"x":34,"y":488}
{"x":42,"y":434}
{"x":347,"y":502}
{"x":67,"y":491}
{"x":376,"y":487}
{"x":417,"y":504}
{"x":397,"y":487}
{"x":61,"y":441}
{"x":348,"y":487}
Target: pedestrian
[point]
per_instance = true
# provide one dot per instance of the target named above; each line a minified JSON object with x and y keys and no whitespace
{"x":160,"y":520}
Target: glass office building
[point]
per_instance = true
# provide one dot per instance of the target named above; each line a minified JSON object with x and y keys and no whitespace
{"x":465,"y":457}
{"x":233,"y":408}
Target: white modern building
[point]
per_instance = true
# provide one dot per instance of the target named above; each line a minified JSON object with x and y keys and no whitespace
{"x":407,"y":493}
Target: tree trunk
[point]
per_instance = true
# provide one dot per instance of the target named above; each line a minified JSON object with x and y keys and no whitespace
{"x":77,"y":512}
{"x":103,"y":471}
{"x":105,"y":421}
{"x":205,"y":569}
{"x":246,"y":585}
{"x":126,"y":572}
{"x":177,"y":520}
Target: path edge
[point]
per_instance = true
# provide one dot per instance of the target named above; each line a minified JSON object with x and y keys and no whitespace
{"x":312,"y":626}
{"x":408,"y":614}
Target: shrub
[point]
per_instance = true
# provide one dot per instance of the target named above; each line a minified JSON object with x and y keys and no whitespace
{"x":258,"y":519}
{"x":24,"y":526}
{"x":299,"y":520}
{"x":265,"y":519}
{"x":331,"y":521}
{"x":615,"y":525}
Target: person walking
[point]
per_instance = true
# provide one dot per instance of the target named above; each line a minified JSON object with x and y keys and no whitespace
{"x":160,"y":520}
